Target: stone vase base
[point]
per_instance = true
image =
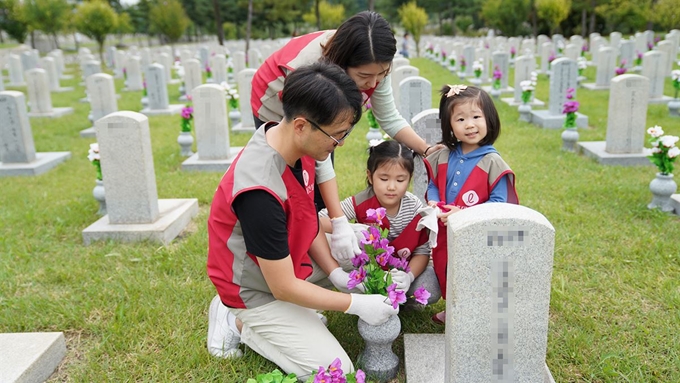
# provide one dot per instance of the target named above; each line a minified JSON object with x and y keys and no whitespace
{"x":99,"y":194}
{"x":662,"y":188}
{"x":185,"y":140}
{"x":569,"y":140}
{"x":377,"y":360}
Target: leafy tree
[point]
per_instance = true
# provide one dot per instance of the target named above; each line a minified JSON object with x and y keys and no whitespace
{"x":506,"y":15}
{"x":414,"y":20}
{"x":625,"y":16}
{"x":12,"y":20}
{"x":553,"y":12}
{"x":48,"y":16}
{"x":124,"y":25}
{"x":168,"y":18}
{"x":331,"y":15}
{"x":96,"y":19}
{"x":667,"y":14}
{"x":463,"y":23}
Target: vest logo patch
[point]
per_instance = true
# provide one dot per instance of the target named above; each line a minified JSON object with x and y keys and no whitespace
{"x":305,"y":177}
{"x":470,"y":198}
{"x":404,"y":253}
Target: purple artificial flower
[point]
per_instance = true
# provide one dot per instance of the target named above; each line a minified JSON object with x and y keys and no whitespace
{"x":497,"y":74}
{"x":335,"y":371}
{"x":371,"y":236}
{"x":396,"y":297}
{"x":187,"y":111}
{"x":322,"y":377}
{"x":650,"y":46}
{"x":382,"y":259}
{"x":207,"y":69}
{"x":399,"y":263}
{"x":360,"y":376}
{"x":570,"y":93}
{"x":356,"y":277}
{"x":551,"y":57}
{"x":513,"y":50}
{"x":623,"y":62}
{"x":376,"y":215}
{"x":421,"y":295}
{"x":639,"y":55}
{"x":144,"y":84}
{"x":360,"y":259}
{"x":620,"y":71}
{"x":570,"y":107}
{"x":584,"y":48}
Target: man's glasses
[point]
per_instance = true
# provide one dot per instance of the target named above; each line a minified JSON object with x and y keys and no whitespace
{"x":337,"y":141}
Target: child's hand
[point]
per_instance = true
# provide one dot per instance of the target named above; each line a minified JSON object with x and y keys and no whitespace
{"x":447,"y":210}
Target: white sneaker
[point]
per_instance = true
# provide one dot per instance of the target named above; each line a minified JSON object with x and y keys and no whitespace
{"x":222,"y":340}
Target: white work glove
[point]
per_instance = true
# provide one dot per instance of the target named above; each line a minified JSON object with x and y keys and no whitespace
{"x":344,"y":243}
{"x":374,"y":309}
{"x":430,"y":221}
{"x":359,"y":229}
{"x":402,"y":279}
{"x":339,"y":278}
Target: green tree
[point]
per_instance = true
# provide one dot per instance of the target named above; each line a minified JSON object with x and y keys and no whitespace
{"x":96,"y":19}
{"x":553,"y":12}
{"x":12,"y":20}
{"x":414,"y":20}
{"x":508,"y":16}
{"x":331,"y":15}
{"x":463,"y":23}
{"x":625,"y":15}
{"x":667,"y":14}
{"x":124,"y":25}
{"x":168,"y":18}
{"x":48,"y":16}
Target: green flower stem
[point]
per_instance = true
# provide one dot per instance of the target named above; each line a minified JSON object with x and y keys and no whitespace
{"x":186,"y":125}
{"x":98,"y":166}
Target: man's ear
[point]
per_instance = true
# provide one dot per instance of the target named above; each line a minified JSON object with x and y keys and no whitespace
{"x":299,"y":124}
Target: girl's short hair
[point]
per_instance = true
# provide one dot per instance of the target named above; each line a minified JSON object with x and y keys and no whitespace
{"x":321,"y":92}
{"x":469,"y":94}
{"x":392,"y":152}
{"x":364,"y":38}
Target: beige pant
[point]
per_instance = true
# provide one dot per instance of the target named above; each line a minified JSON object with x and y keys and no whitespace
{"x":291,"y":336}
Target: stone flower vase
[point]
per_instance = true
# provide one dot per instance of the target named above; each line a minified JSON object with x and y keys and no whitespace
{"x":377,"y":360}
{"x":234,"y":117}
{"x":185,"y":140}
{"x":100,"y":196}
{"x":662,"y":188}
{"x":373,"y":134}
{"x":569,"y":140}
{"x":524,"y":112}
{"x":674,"y":108}
{"x":495,"y":93}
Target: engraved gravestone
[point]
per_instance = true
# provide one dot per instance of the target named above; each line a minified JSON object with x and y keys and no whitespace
{"x":102,"y":94}
{"x":524,"y":65}
{"x":50,"y":67}
{"x":239,"y":60}
{"x":546,"y":51}
{"x":219,"y":68}
{"x":626,"y":54}
{"x":16,"y":71}
{"x":212,"y":131}
{"x":428,"y":126}
{"x":135,"y":82}
{"x":626,"y":124}
{"x":157,"y":93}
{"x":397,"y":76}
{"x":415,"y":94}
{"x":564,"y":76}
{"x":653,"y":67}
{"x":244,"y":79}
{"x":39,"y":95}
{"x":606,"y":64}
{"x":192,"y":75}
{"x":469,"y":56}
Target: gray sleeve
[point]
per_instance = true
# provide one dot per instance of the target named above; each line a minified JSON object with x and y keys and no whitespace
{"x":384,"y":109}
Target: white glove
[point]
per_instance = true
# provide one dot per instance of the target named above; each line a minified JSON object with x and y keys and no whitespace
{"x":339,"y":278}
{"x":359,"y":228}
{"x":402,"y":279}
{"x":430,"y":221}
{"x":374,"y":309}
{"x":344,"y":243}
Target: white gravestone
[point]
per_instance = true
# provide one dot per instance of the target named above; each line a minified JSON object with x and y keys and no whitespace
{"x":626,"y":124}
{"x":30,"y":356}
{"x":244,"y":80}
{"x":120,"y":60}
{"x":469,"y":57}
{"x":415,"y":95}
{"x":157,"y":93}
{"x":564,"y":76}
{"x":219,"y":68}
{"x":546,"y":50}
{"x":16,"y":71}
{"x":135,"y":81}
{"x":39,"y":95}
{"x":102,"y":94}
{"x":500,"y":260}
{"x":212,"y":131}
{"x":192,"y":76}
{"x":524,"y":65}
{"x":606,"y":65}
{"x":667,"y":47}
{"x":254,"y":58}
{"x":89,"y":68}
{"x":653,"y":67}
{"x":428,"y":126}
{"x":166,"y":60}
{"x":626,"y":54}
{"x":397,"y":76}
{"x":500,"y":61}
{"x":134,"y":212}
{"x":17,"y":149}
{"x":50,"y":67}
{"x":239,"y":60}
{"x":28,"y":61}
{"x":2,"y":80}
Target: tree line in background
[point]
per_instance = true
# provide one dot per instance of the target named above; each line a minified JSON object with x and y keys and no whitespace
{"x":188,"y":20}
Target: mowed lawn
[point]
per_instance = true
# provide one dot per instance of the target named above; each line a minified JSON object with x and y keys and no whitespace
{"x":138,"y":312}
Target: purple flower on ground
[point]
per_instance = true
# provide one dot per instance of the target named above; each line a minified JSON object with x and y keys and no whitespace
{"x":376,"y":215}
{"x":570,"y":107}
{"x":187,"y":111}
{"x":356,"y":277}
{"x":421,"y":295}
{"x":396,"y":297}
{"x":360,"y":376}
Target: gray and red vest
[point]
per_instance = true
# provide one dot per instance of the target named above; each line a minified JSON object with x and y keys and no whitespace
{"x":235,"y":272}
{"x":267,"y":84}
{"x":406,"y":242}
{"x":476,"y":190}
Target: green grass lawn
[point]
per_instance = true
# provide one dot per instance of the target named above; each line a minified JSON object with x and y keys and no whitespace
{"x":138,"y":312}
